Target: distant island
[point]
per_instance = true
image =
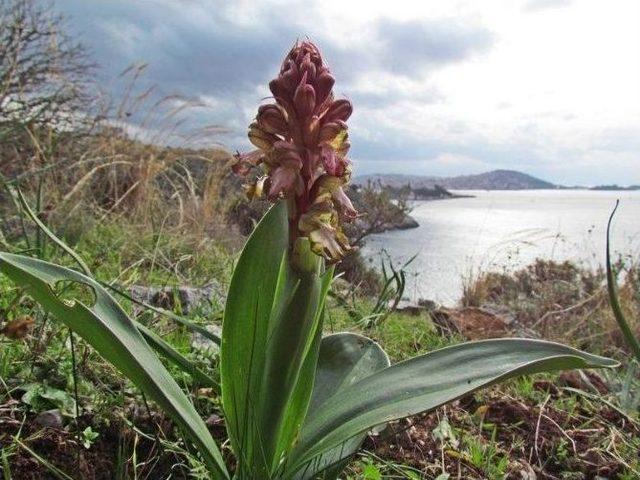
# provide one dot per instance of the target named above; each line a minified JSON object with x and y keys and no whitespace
{"x":410,"y":192}
{"x":494,"y":180}
{"x":616,"y":188}
{"x":433,"y":186}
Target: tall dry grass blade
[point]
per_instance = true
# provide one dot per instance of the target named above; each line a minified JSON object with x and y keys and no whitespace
{"x":87,"y":176}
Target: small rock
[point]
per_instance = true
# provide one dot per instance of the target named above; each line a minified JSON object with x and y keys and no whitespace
{"x":428,"y":304}
{"x":500,"y":311}
{"x":211,"y":296}
{"x":407,"y":306}
{"x":203,"y":343}
{"x":413,"y":308}
{"x":50,"y":419}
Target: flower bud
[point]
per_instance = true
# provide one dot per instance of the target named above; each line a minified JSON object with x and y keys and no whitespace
{"x":304,"y":99}
{"x":339,"y":110}
{"x":308,"y":68}
{"x":285,"y":182}
{"x":277,"y":87}
{"x":334,"y":164}
{"x":241,"y":167}
{"x":290,"y":77}
{"x":261,"y":139}
{"x":321,"y":225}
{"x":328,"y":187}
{"x":285,"y":154}
{"x":272,"y":119}
{"x":323,"y":84}
{"x":310,"y":134}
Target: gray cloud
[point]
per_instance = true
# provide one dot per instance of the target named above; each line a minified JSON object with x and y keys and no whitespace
{"x":200,"y":49}
{"x":205,"y":49}
{"x":188,"y":47}
{"x":413,"y":46}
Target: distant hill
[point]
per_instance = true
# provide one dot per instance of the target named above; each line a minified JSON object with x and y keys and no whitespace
{"x":494,"y":180}
{"x":616,"y":188}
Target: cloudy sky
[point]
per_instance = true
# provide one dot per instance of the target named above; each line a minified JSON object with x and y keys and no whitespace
{"x":548,"y":87}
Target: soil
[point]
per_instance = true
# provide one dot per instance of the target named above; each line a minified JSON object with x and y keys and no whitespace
{"x":60,"y":448}
{"x":530,"y":433}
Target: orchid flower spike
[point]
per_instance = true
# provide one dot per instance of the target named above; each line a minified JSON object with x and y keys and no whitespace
{"x":302,"y":146}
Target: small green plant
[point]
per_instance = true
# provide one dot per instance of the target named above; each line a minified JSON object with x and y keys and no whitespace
{"x":297,"y":405}
{"x":486,"y":457}
{"x":395,"y":281}
{"x":370,"y":471}
{"x":89,"y":437}
{"x":42,"y":397}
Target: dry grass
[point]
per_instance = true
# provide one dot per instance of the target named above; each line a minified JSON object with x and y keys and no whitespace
{"x":561,"y":301}
{"x":153,"y":173}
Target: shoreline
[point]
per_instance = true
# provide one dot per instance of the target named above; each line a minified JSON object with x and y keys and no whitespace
{"x":409,"y":222}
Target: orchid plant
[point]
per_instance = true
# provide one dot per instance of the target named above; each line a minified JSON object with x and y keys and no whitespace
{"x":297,"y":404}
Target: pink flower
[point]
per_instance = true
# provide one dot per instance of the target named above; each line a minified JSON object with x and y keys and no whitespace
{"x":302,"y":146}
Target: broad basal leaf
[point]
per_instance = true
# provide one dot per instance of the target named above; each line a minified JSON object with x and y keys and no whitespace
{"x":345,"y":358}
{"x":426,"y":382}
{"x":107,"y":328}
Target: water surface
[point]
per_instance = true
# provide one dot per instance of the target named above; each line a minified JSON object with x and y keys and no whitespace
{"x":499,"y":230}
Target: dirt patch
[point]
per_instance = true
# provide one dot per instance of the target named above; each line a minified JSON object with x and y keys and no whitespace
{"x":471,"y":322}
{"x":24,"y":441}
{"x":523,"y":438}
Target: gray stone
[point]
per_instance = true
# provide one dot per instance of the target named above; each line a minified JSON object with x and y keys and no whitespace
{"x":209,"y":297}
{"x":50,"y":419}
{"x":505,"y":314}
{"x":413,"y":308}
{"x":203,"y":343}
{"x":407,"y":222}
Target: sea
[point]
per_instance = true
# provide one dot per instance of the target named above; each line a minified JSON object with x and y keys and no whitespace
{"x":459,"y":238}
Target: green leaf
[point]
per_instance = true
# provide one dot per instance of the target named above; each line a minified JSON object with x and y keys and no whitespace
{"x":344,"y":359}
{"x":43,"y":397}
{"x":154,"y":341}
{"x":270,"y":338}
{"x":245,"y":328}
{"x":107,"y":328}
{"x":283,"y":400}
{"x":426,"y":382}
{"x":291,"y":360}
{"x":44,"y":229}
{"x":630,"y":338}
{"x":371,"y":472}
{"x":175,"y":357}
{"x":88,"y":437}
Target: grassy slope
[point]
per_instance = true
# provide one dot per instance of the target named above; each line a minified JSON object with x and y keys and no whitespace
{"x":533,"y":424}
